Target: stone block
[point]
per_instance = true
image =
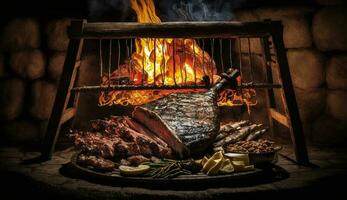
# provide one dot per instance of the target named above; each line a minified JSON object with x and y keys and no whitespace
{"x":21,"y":34}
{"x":28,"y":64}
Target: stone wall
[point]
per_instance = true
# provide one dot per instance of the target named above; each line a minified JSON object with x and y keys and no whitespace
{"x":32,"y":55}
{"x":31,"y":59}
{"x":316,"y":41}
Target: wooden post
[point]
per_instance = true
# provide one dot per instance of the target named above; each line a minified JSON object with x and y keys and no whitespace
{"x":67,"y":81}
{"x":290,"y":105}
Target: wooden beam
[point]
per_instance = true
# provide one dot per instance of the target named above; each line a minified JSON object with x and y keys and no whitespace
{"x":282,"y":119}
{"x":222,"y":29}
{"x":78,"y":64}
{"x":68,"y":114}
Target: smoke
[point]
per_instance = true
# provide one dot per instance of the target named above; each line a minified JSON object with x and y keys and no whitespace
{"x":198,"y":10}
{"x":119,"y":9}
{"x":169,"y":10}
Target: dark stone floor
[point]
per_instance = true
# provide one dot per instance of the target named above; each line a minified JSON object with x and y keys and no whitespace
{"x":19,"y":179}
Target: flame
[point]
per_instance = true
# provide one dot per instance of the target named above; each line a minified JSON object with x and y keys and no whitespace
{"x":162,"y":62}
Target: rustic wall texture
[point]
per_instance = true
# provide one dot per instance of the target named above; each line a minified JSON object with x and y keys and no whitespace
{"x":32,"y":55}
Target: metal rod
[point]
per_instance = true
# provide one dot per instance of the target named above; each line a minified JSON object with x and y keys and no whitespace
{"x":181,"y":73}
{"x":230,"y":54}
{"x":165,"y":87}
{"x":155,"y":59}
{"x":174,"y":60}
{"x":137,"y":87}
{"x":131,"y":58}
{"x":143,"y":64}
{"x":240,"y":59}
{"x":240,"y":67}
{"x":127,"y":48}
{"x":221,"y":53}
{"x":109,"y":61}
{"x":184,"y":62}
{"x":203,"y":57}
{"x":212,"y":57}
{"x":194,"y":66}
{"x":250,"y":58}
{"x":100,"y":59}
{"x":118,"y":60}
{"x":127,"y":55}
{"x":163,"y":67}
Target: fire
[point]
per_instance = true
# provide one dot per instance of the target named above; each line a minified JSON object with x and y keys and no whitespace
{"x":161,"y":62}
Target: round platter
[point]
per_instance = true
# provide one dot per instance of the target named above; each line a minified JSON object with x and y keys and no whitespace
{"x":183,"y":181}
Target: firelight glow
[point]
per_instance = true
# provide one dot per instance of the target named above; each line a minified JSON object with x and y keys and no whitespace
{"x":164,"y":61}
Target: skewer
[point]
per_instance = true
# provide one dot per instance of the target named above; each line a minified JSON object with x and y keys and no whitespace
{"x":165,"y":87}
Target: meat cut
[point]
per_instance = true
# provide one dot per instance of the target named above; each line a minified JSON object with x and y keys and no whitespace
{"x":188,"y":123}
{"x":120,"y":137}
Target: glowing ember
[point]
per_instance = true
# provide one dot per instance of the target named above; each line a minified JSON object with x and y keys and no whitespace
{"x":163,"y":62}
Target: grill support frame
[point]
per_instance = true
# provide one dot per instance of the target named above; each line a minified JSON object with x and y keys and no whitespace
{"x":270,"y":31}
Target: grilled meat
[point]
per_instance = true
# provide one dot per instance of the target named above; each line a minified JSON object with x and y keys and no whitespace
{"x":187,"y":122}
{"x":96,"y":162}
{"x":116,"y":137}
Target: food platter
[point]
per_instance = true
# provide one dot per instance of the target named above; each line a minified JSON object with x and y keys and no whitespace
{"x":200,"y":179}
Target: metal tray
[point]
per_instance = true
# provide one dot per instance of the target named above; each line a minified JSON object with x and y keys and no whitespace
{"x":183,"y":181}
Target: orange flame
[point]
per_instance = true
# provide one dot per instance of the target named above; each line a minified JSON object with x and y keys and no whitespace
{"x":161,"y":62}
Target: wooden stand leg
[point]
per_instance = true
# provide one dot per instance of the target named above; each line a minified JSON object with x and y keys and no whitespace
{"x":288,"y":97}
{"x":60,"y":113}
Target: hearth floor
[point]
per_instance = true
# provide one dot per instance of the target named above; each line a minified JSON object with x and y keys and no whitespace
{"x":20,"y":179}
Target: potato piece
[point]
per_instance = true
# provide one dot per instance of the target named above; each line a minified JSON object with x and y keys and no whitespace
{"x":226,"y":167}
{"x":214,"y":170}
{"x":238,"y":165}
{"x":204,"y":160}
{"x":212,"y":162}
{"x":238,"y":157}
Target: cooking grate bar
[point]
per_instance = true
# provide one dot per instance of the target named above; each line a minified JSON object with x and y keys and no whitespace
{"x":165,"y":87}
